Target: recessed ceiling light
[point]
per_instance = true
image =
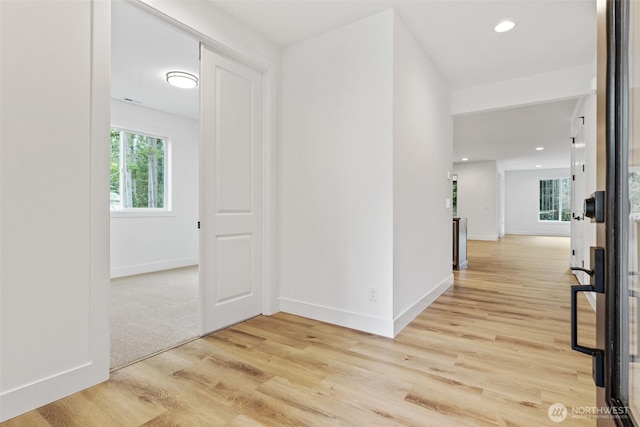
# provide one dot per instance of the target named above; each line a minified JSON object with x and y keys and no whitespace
{"x":538,"y":166}
{"x":464,"y":159}
{"x":539,"y":148}
{"x":182,"y":80}
{"x":504,"y":26}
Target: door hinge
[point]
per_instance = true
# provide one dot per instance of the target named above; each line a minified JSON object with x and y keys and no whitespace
{"x":573,"y":177}
{"x":582,"y":117}
{"x":573,"y":251}
{"x":198,"y":225}
{"x":573,"y":140}
{"x":582,"y":168}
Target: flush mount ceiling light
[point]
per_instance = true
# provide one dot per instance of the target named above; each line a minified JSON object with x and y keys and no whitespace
{"x":539,"y":148}
{"x":182,"y":80}
{"x":538,"y":166}
{"x":504,"y":26}
{"x":464,"y":159}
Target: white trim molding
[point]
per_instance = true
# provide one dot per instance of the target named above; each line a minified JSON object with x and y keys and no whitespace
{"x":400,"y":322}
{"x":153,"y":267}
{"x":348,"y":319}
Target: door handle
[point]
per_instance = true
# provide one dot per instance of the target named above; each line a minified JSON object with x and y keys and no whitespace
{"x":596,"y":354}
{"x":597,"y":274}
{"x":574,"y":320}
{"x":596,"y":284}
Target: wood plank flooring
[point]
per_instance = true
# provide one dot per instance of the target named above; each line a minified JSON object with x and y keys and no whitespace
{"x":493,"y":350}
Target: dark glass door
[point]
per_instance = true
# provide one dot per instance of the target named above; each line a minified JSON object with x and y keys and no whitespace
{"x":618,"y":306}
{"x":625,"y":123}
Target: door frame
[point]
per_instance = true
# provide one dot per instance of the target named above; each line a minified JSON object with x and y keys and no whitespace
{"x":234,"y":49}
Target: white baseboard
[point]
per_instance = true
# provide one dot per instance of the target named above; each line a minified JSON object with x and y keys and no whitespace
{"x":414,"y":311}
{"x":152,"y":267}
{"x":493,"y":237}
{"x":539,"y":233}
{"x":38,"y":393}
{"x":348,"y":319}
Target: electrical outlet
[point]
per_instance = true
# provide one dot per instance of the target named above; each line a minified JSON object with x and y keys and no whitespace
{"x":373,"y":294}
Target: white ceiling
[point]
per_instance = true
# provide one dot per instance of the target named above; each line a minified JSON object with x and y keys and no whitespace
{"x":511,"y":136}
{"x":143,"y":50}
{"x":456,"y":34}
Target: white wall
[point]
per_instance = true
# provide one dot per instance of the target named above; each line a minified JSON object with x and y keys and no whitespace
{"x":336,"y":175}
{"x":422,"y":156}
{"x":522,"y":203}
{"x":478,"y":198}
{"x":54,"y":276}
{"x":365,"y":149}
{"x":501,"y":202}
{"x":144,"y":243}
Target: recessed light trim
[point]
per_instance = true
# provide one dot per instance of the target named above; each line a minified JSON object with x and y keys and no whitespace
{"x":539,"y":148}
{"x":538,"y":166}
{"x":182,"y":80}
{"x":464,"y":159}
{"x":504,"y":26}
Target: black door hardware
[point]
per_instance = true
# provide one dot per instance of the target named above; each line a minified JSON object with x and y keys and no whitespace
{"x":594,"y":207}
{"x":596,"y":284}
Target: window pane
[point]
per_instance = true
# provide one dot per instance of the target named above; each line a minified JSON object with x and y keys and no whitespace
{"x":144,"y":171}
{"x":566,"y":200}
{"x":549,"y":200}
{"x":114,"y":190}
{"x":455,"y":198}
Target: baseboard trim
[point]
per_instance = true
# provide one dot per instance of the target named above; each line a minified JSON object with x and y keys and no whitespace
{"x":414,"y":311}
{"x":152,"y":267}
{"x":348,"y":319}
{"x":30,"y":396}
{"x":539,"y":233}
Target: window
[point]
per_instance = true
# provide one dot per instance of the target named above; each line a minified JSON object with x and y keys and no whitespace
{"x":455,"y":195}
{"x":138,"y":163}
{"x":555,"y":200}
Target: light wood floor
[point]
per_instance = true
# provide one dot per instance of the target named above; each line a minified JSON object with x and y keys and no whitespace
{"x":493,"y":350}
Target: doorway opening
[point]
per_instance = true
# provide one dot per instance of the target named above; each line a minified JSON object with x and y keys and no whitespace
{"x":154,"y":190}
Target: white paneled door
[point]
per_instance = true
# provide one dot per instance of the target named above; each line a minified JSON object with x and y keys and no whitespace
{"x":579,"y":250}
{"x":230,"y":191}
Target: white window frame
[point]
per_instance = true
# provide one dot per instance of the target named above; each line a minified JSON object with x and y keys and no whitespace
{"x":145,"y":212}
{"x":554,"y":221}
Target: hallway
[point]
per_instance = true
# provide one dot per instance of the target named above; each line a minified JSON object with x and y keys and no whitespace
{"x":493,"y":350}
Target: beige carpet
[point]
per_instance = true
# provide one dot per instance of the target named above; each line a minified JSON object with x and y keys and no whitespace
{"x":152,"y":312}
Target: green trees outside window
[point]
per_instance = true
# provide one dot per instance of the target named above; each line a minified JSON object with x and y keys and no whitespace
{"x":555,"y":200}
{"x":137,"y":170}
